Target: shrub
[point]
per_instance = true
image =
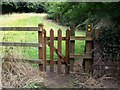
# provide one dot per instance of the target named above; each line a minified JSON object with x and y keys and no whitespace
{"x":9,"y":7}
{"x":109,"y":41}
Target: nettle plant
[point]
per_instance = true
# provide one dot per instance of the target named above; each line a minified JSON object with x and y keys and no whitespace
{"x":109,"y":41}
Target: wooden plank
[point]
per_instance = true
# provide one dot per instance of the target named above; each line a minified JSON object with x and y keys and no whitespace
{"x":59,"y":49}
{"x":56,"y":38}
{"x":37,"y":61}
{"x":81,"y":56}
{"x":72,"y":45}
{"x":44,"y":50}
{"x":40,"y":50}
{"x":67,"y":51}
{"x":55,"y":62}
{"x":76,"y":55}
{"x":89,"y":38}
{"x":81,"y":38}
{"x":20,"y":44}
{"x":72,"y":38}
{"x":51,"y":50}
{"x":19,"y":29}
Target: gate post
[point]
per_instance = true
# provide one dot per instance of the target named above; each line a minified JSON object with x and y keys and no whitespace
{"x":67,"y":51}
{"x":44,"y":49}
{"x":40,"y":41}
{"x":72,"y":46}
{"x":88,"y":58}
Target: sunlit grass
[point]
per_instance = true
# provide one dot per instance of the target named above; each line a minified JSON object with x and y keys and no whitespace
{"x":32,"y":20}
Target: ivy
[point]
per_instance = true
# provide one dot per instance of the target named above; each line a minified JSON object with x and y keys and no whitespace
{"x":109,"y":41}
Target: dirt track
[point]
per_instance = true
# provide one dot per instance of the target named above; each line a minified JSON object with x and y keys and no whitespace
{"x":76,"y":79}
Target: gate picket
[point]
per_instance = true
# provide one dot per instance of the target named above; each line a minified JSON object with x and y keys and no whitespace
{"x":44,"y":50}
{"x":40,"y":50}
{"x":51,"y":50}
{"x":59,"y":49}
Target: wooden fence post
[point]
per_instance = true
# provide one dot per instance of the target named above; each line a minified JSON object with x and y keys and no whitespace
{"x":72,"y":46}
{"x":40,"y":41}
{"x":88,"y":59}
{"x":67,"y":51}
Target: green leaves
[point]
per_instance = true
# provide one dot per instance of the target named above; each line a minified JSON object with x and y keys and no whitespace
{"x":77,"y":12}
{"x":8,"y":7}
{"x":110,"y":43}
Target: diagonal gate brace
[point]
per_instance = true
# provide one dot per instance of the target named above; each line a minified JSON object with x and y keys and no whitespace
{"x":56,"y":51}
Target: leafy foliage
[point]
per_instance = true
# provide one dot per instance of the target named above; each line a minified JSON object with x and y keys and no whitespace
{"x":9,"y":7}
{"x":69,"y":12}
{"x":78,"y":12}
{"x":110,"y":43}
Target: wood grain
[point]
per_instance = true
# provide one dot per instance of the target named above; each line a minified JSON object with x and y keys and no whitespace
{"x":51,"y":50}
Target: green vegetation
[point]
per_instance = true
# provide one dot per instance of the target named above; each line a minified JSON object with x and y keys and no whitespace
{"x":9,"y":7}
{"x":22,"y":36}
{"x":82,"y":12}
{"x":110,"y":43}
{"x":66,"y":13}
{"x":35,"y":85}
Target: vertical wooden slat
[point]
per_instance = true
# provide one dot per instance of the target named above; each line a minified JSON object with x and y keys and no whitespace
{"x":72,"y":46}
{"x":59,"y":49}
{"x":40,"y":50}
{"x":44,"y":50}
{"x":51,"y":50}
{"x":67,"y":51}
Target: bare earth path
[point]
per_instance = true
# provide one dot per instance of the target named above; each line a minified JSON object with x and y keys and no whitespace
{"x":20,"y":75}
{"x":76,"y":79}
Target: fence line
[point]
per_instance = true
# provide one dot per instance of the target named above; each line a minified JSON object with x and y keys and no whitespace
{"x":43,"y":40}
{"x":20,"y":44}
{"x":19,"y":29}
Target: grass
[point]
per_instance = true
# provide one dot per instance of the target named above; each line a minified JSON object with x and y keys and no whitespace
{"x":32,"y":20}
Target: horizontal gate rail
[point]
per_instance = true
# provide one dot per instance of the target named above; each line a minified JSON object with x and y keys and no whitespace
{"x":20,"y":44}
{"x":19,"y":29}
{"x":81,"y":38}
{"x":74,"y":38}
{"x":76,"y":55}
{"x":37,"y":61}
{"x":81,"y":56}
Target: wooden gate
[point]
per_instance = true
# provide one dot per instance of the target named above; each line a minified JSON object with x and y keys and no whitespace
{"x":70,"y":55}
{"x":62,"y":59}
